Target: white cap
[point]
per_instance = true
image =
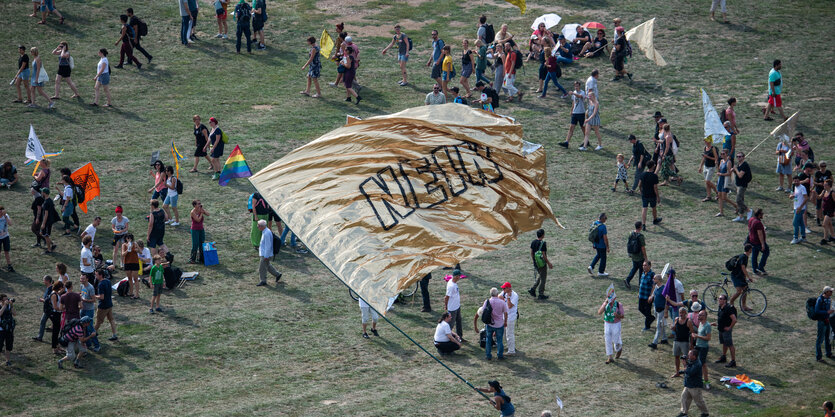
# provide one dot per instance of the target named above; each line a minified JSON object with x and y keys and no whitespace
{"x":348,"y":39}
{"x":827,"y":288}
{"x":696,"y":306}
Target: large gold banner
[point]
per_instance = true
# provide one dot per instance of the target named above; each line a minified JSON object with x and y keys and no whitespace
{"x":386,"y":200}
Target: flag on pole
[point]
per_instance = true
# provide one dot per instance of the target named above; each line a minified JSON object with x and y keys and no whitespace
{"x":384,"y":201}
{"x":643,"y":36}
{"x":325,"y":44}
{"x":714,"y":129}
{"x":34,"y":149}
{"x":786,"y":129}
{"x":518,"y":3}
{"x":46,"y":155}
{"x":87,"y":179}
{"x":670,"y":286}
{"x":177,"y":157}
{"x":235,"y":167}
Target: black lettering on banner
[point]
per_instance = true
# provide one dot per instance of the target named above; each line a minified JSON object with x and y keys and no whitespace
{"x":423,"y":183}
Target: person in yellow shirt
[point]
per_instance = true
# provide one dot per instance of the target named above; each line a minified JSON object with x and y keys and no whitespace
{"x":447,"y":69}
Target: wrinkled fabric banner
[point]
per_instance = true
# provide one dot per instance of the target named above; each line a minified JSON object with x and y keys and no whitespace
{"x":86,"y":178}
{"x":714,"y":129}
{"x":643,"y":35}
{"x":786,"y":129}
{"x":388,"y":199}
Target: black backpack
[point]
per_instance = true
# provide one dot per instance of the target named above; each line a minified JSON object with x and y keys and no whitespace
{"x":62,"y":336}
{"x":487,"y":313}
{"x":489,"y":33}
{"x":722,"y":116}
{"x":733,"y":263}
{"x":172,"y":276}
{"x":520,"y":60}
{"x":633,"y":245}
{"x":494,"y":97}
{"x":122,"y":288}
{"x":143,"y":27}
{"x":179,"y":187}
{"x":410,"y":42}
{"x":78,"y":194}
{"x":244,"y":11}
{"x":276,"y":245}
{"x":810,"y":308}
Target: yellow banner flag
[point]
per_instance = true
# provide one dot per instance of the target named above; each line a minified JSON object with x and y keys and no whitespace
{"x":518,"y":3}
{"x":325,"y":44}
{"x":643,"y":36}
{"x":386,"y":200}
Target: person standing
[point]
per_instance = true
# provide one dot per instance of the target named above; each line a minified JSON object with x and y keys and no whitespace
{"x":512,"y":300}
{"x":243,"y":15}
{"x":702,"y":342}
{"x":198,"y":233}
{"x":105,"y":307}
{"x":424,"y":292}
{"x":612,"y":311}
{"x":55,"y":313}
{"x":47,"y":307}
{"x":800,"y":197}
{"x":828,"y":209}
{"x":756,"y":237}
{"x":601,"y":246}
{"x":823,"y":310}
{"x":818,"y":181}
{"x":402,"y":42}
{"x":7,"y":325}
{"x":452,"y":301}
{"x":578,"y":113}
{"x":466,"y":67}
{"x":88,"y":309}
{"x":636,"y":247}
{"x":102,"y":78}
{"x":445,"y":340}
{"x":171,"y":197}
{"x":157,"y":279}
{"x":498,"y":322}
{"x":435,"y":59}
{"x":708,"y":166}
{"x":368,"y":314}
{"x":682,"y":328}
{"x":125,"y":36}
{"x":216,"y":142}
{"x":315,"y":68}
{"x":37,"y":217}
{"x":87,"y":265}
{"x":48,"y":217}
{"x":541,"y":264}
{"x":201,"y":140}
{"x":784,"y":165}
{"x":22,"y":76}
{"x":119,"y":225}
{"x":693,"y":385}
{"x":185,"y":21}
{"x":644,"y":291}
{"x":650,"y":195}
{"x":725,"y":322}
{"x":259,"y":17}
{"x":130,"y":253}
{"x":136,"y":23}
{"x":447,"y":69}
{"x":659,"y":302}
{"x":193,"y":9}
{"x":156,"y":229}
{"x":67,"y":206}
{"x":775,"y":88}
{"x":221,"y":7}
{"x":265,"y":252}
{"x":640,"y":156}
{"x":743,"y":177}
{"x":5,"y":241}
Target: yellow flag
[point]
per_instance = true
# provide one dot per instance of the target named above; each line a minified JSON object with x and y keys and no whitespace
{"x":325,"y":44}
{"x":386,"y":200}
{"x":518,"y":3}
{"x":643,"y":35}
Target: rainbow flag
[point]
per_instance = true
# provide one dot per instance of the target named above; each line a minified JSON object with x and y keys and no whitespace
{"x":235,"y":167}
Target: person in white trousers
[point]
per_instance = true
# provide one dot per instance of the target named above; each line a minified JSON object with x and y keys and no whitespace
{"x":612,"y":312}
{"x":512,"y":300}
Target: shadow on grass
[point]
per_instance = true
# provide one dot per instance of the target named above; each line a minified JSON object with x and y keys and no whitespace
{"x":642,"y":373}
{"x":677,"y":236}
{"x":570,"y":311}
{"x":16,"y":278}
{"x":773,"y":325}
{"x":35,"y":379}
{"x":172,"y":314}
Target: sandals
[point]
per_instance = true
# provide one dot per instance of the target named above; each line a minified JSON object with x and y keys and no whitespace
{"x":706,"y":199}
{"x":61,"y":20}
{"x":315,"y":96}
{"x":55,"y":98}
{"x":304,"y":93}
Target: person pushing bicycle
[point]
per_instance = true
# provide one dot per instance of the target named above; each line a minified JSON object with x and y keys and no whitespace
{"x":740,"y":277}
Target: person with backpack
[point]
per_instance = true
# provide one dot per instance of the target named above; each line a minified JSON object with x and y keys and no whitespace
{"x":481,"y":62}
{"x":77,"y":198}
{"x":76,"y":333}
{"x":512,"y":62}
{"x":485,"y":32}
{"x":67,"y":206}
{"x":822,"y":312}
{"x":404,"y":45}
{"x":105,"y":307}
{"x":266,"y":250}
{"x":612,"y":311}
{"x":494,"y":315}
{"x":636,"y":247}
{"x":140,"y":29}
{"x":501,"y":401}
{"x":742,"y":174}
{"x":619,"y":54}
{"x":489,"y":98}
{"x":710,"y":156}
{"x":600,"y":242}
{"x":172,"y":183}
{"x":125,"y":37}
{"x":156,"y":228}
{"x":739,"y":274}
{"x":243,"y":15}
{"x":7,"y":325}
{"x":48,"y":217}
{"x":541,"y":264}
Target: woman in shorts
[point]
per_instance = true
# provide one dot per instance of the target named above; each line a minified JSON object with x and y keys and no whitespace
{"x":466,"y":67}
{"x":724,"y":173}
{"x":130,"y":252}
{"x":64,"y":70}
{"x":37,"y":87}
{"x":22,"y":76}
{"x":314,"y":68}
{"x":171,"y":198}
{"x":201,"y":142}
{"x":708,"y":167}
{"x":216,"y":139}
{"x":102,"y":77}
{"x":47,"y":7}
{"x":159,"y":189}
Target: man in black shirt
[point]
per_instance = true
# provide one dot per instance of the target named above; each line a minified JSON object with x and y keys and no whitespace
{"x":740,"y":276}
{"x":693,"y":385}
{"x":650,"y":196}
{"x":640,"y":156}
{"x":48,"y":217}
{"x":539,"y":255}
{"x":725,"y":322}
{"x":619,"y":55}
{"x":134,"y":23}
{"x":820,"y":177}
{"x":743,"y":177}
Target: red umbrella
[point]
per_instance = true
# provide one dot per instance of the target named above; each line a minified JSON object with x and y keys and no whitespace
{"x":593,"y":25}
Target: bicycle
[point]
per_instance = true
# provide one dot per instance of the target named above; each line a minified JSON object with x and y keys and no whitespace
{"x":754,"y":298}
{"x":407,"y":293}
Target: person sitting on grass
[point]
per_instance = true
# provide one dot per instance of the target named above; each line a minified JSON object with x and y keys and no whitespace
{"x":157,"y":279}
{"x":596,"y":46}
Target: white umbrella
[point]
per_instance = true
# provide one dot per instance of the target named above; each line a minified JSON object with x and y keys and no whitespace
{"x":550,"y":20}
{"x":570,"y":31}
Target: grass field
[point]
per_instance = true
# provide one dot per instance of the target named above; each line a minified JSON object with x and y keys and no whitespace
{"x":225,"y":347}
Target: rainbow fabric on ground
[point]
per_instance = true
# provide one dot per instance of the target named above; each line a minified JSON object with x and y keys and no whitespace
{"x":235,"y":167}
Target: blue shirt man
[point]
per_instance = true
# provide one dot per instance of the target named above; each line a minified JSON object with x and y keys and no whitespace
{"x":644,"y":290}
{"x":601,"y":246}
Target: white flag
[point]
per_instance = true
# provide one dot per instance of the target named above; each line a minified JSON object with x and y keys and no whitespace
{"x":785,"y":131}
{"x":714,"y":129}
{"x":643,"y":35}
{"x":34,"y":149}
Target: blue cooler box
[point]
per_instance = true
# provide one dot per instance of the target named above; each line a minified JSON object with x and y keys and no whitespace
{"x":210,"y":254}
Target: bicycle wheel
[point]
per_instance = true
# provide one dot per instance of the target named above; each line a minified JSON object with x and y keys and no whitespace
{"x":711,"y":296}
{"x":353,"y":295}
{"x":408,"y":292}
{"x":756,"y":302}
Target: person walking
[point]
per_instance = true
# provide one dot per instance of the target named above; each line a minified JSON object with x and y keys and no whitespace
{"x":510,"y":73}
{"x":169,"y":204}
{"x":7,"y":326}
{"x":445,"y":340}
{"x":77,"y":337}
{"x":22,"y":76}
{"x":740,"y":277}
{"x":742,"y":173}
{"x":350,"y":63}
{"x":592,"y":121}
{"x":501,"y":401}
{"x":636,"y":248}
{"x":466,"y":67}
{"x":682,"y":327}
{"x":481,"y":62}
{"x":102,"y":78}
{"x":125,"y":36}
{"x":578,"y":113}
{"x":800,"y":197}
{"x":452,"y":301}
{"x":243,"y":15}
{"x":702,"y":337}
{"x":105,"y":307}
{"x":435,"y":59}
{"x":497,"y":324}
{"x":435,"y":97}
{"x":137,"y":24}
{"x":640,"y":156}
{"x":39,"y":77}
{"x":721,"y":4}
{"x":644,"y":291}
{"x":48,"y":7}
{"x":600,"y":243}
{"x":402,"y":41}
{"x":775,"y":88}
{"x":512,"y":300}
{"x":828,"y":209}
{"x":618,"y":55}
{"x":722,"y":185}
{"x":541,"y":264}
{"x":693,"y":385}
{"x":553,"y":74}
{"x":659,"y":302}
{"x":613,"y":313}
{"x":47,"y":307}
{"x":823,"y":310}
{"x":265,"y":252}
{"x":756,"y":237}
{"x":55,"y":313}
{"x":5,"y":240}
{"x":708,"y":167}
{"x":368,"y":314}
{"x":424,"y":292}
{"x":650,"y":194}
{"x":315,"y":68}
{"x":725,"y":322}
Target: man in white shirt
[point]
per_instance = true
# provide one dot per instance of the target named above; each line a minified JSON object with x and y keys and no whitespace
{"x":87,"y":264}
{"x":452,"y":301}
{"x":591,"y":84}
{"x":91,"y":229}
{"x":265,"y":252}
{"x":512,"y":300}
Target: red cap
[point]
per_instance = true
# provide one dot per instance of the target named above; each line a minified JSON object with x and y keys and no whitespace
{"x":118,"y":209}
{"x":213,"y":120}
{"x":506,"y":285}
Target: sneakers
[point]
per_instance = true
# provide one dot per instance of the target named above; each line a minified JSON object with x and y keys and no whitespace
{"x":589,"y":269}
{"x":542,"y":297}
{"x":159,"y":309}
{"x":657,"y":221}
{"x":169,"y":221}
{"x":426,"y":310}
{"x":823,"y":242}
{"x":653,"y":346}
{"x":278,"y":277}
{"x":629,"y":74}
{"x":9,"y":268}
{"x":563,"y":144}
{"x":721,"y":359}
{"x":52,"y":105}
{"x":261,"y":284}
{"x":808,"y":231}
{"x":737,"y":219}
{"x":751,"y":214}
{"x":731,"y":364}
{"x":794,"y":241}
{"x":602,"y":274}
{"x":582,"y":148}
{"x":374,"y":332}
{"x":151,"y":310}
{"x":627,"y":285}
{"x":60,"y":364}
{"x":175,"y":223}
{"x":365,"y":336}
{"x":598,"y":148}
{"x":532,"y":292}
{"x":219,"y":35}
{"x":779,"y":189}
{"x":707,"y":385}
